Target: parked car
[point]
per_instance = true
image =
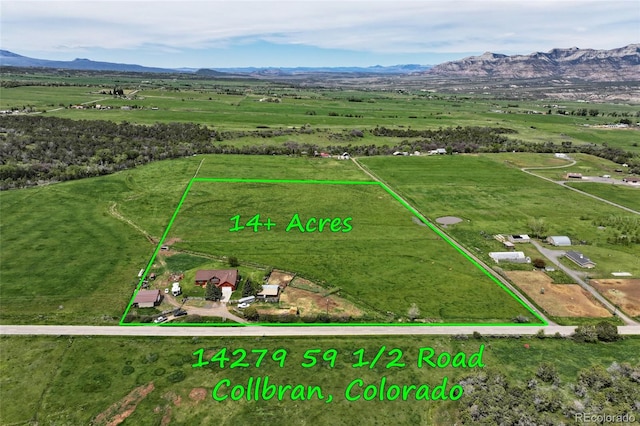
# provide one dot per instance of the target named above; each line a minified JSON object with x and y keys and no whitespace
{"x":160,"y":319}
{"x":244,"y":305}
{"x":166,"y":291}
{"x":179,"y":313}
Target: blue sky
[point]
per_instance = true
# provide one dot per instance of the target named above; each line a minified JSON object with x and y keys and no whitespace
{"x":265,"y":33}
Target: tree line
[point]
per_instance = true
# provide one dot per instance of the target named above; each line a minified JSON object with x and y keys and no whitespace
{"x":40,"y":149}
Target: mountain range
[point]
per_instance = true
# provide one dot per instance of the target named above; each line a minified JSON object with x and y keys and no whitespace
{"x":622,"y":64}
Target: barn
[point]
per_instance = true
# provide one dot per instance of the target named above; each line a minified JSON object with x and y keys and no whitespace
{"x":147,"y":298}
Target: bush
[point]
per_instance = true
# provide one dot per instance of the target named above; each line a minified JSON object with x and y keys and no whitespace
{"x":539,"y":263}
{"x":233,"y":262}
{"x":548,"y":373}
{"x":585,"y":334}
{"x":607,"y":332}
{"x":176,"y":376}
{"x":127,"y":370}
{"x":251,"y":313}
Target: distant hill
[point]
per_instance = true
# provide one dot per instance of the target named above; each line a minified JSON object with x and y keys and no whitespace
{"x":621,"y":64}
{"x":14,"y":60}
{"x":8,"y":58}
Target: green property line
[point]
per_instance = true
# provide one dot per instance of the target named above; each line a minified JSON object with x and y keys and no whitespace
{"x":323,"y":182}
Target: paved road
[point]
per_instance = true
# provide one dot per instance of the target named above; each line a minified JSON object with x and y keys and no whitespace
{"x":555,"y":255}
{"x":293,"y":331}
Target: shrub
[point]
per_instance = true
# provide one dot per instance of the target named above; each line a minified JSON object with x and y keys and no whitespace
{"x":539,"y":263}
{"x":586,"y":334}
{"x":251,"y":313}
{"x":607,"y":332}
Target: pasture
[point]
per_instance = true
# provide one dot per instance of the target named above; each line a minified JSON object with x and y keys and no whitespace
{"x":376,"y":254}
{"x":494,"y":198}
{"x":246,"y":104}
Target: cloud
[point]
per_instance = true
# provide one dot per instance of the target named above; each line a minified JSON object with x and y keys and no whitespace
{"x":364,"y":26}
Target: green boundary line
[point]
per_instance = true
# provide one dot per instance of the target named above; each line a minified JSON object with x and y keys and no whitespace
{"x":324,"y":182}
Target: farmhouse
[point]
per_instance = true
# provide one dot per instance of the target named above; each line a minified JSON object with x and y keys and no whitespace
{"x":524,"y":238}
{"x":509,"y":256}
{"x":218,"y":277}
{"x":269,"y":293}
{"x":579,"y":259}
{"x":147,"y":298}
{"x":574,"y":175}
{"x":559,"y":241}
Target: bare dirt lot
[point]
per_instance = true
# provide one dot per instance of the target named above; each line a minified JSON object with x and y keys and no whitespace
{"x":309,"y":299}
{"x":280,"y":278}
{"x":561,"y":300}
{"x":623,"y":293}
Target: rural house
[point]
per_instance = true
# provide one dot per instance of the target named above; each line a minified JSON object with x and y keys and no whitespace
{"x":147,"y":298}
{"x":218,"y":277}
{"x":559,"y":241}
{"x":580,"y":259}
{"x":509,"y":256}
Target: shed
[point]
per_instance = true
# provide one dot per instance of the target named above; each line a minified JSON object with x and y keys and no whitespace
{"x":580,"y":259}
{"x":559,"y":240}
{"x":147,"y":298}
{"x":509,"y":256}
{"x":270,"y":293}
{"x":522,"y":238}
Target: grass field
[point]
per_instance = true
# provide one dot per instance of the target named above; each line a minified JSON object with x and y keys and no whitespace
{"x":623,"y":195}
{"x":236,"y":105}
{"x":382,"y":258}
{"x":68,"y":256}
{"x":494,"y":199}
{"x":71,"y":380}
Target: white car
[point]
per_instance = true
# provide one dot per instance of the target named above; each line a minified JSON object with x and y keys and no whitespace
{"x":160,"y":319}
{"x":243,"y":305}
{"x":166,"y":291}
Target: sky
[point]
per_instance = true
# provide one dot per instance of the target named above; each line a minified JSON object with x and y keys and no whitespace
{"x":273,"y":33}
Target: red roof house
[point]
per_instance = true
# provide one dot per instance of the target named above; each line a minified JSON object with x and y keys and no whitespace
{"x":218,"y":277}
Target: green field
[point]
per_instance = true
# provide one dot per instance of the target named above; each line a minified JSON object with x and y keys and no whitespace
{"x":623,"y":195}
{"x":382,"y":256}
{"x":71,"y":380}
{"x":493,"y":199}
{"x":237,"y":105}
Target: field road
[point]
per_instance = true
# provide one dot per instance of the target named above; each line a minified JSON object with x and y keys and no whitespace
{"x":562,"y":183}
{"x":289,"y":331}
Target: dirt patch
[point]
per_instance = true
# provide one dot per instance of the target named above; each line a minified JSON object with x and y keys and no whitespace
{"x":280,"y":278}
{"x":623,"y":293}
{"x":561,"y":300}
{"x":309,"y":302}
{"x":166,"y":418}
{"x":198,"y":394}
{"x":118,"y":412}
{"x":448,"y":220}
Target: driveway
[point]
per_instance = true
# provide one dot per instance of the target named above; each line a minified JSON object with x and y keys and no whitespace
{"x":555,"y":255}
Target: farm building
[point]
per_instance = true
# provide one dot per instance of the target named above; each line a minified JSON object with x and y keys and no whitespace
{"x":580,"y":259}
{"x":559,"y":241}
{"x":509,"y":256}
{"x":269,"y":293}
{"x":218,"y":277}
{"x":508,"y":245}
{"x":574,"y":175}
{"x":524,"y":238}
{"x":147,"y":298}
